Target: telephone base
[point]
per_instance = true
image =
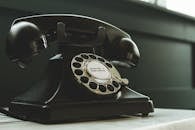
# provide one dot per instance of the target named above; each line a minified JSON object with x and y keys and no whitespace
{"x":80,"y":111}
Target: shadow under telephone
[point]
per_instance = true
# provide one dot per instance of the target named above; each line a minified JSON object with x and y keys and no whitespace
{"x":80,"y":81}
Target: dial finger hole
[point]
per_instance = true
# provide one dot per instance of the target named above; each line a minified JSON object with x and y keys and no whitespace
{"x":115,"y":84}
{"x":109,"y":65}
{"x":76,"y":65}
{"x":92,"y":56}
{"x":78,"y":72}
{"x":102,"y":88}
{"x":85,"y":56}
{"x":101,"y":59}
{"x":79,"y":59}
{"x":93,"y":85}
{"x":110,"y":87}
{"x":84,"y":79}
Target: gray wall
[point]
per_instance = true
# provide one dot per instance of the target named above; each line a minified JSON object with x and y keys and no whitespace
{"x":165,"y":39}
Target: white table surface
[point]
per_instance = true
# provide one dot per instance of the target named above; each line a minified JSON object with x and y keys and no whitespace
{"x":161,"y":119}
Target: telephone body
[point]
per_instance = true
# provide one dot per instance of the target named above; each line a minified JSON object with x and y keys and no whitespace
{"x":80,"y":80}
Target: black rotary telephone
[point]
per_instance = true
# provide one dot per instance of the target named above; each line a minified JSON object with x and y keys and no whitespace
{"x":78,"y":80}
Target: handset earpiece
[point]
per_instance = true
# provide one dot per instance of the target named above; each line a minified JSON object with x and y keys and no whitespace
{"x":24,"y":41}
{"x":124,"y":53}
{"x":129,"y":50}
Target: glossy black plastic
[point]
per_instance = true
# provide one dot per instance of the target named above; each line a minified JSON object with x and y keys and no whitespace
{"x":57,"y":96}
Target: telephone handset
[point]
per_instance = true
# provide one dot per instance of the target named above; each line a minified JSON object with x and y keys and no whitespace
{"x":79,"y":81}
